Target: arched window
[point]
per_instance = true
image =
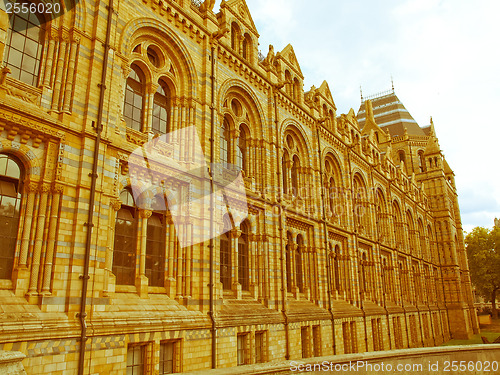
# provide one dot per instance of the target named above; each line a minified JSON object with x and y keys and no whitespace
{"x":224,"y":142}
{"x":161,"y":105}
{"x":421,"y":161}
{"x":235,"y":36}
{"x":298,"y":263}
{"x":155,"y":249}
{"x":398,"y":225}
{"x":295,"y":176}
{"x":243,"y":257}
{"x":10,"y":202}
{"x":23,"y":49}
{"x":125,"y":240}
{"x":288,"y":83}
{"x":296,"y":89}
{"x":241,"y":150}
{"x":247,"y":47}
{"x":134,"y":99}
{"x":363,"y":282}
{"x":225,"y":256}
{"x":285,"y":163}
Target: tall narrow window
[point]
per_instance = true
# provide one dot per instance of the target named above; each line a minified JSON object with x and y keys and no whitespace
{"x":225,"y":256}
{"x":317,"y":340}
{"x":243,"y":258}
{"x":23,"y":49}
{"x":136,"y":360}
{"x":304,"y":338}
{"x":160,"y":110}
{"x":247,"y":47}
{"x":155,"y":250}
{"x":285,"y":163}
{"x":169,"y":357}
{"x":288,"y":261}
{"x":134,"y":99}
{"x":421,"y":161}
{"x":242,"y":347}
{"x":125,"y":241}
{"x":241,"y":150}
{"x":363,"y":272}
{"x":336,"y":266}
{"x":10,"y":203}
{"x":259,"y":347}
{"x":295,"y":176}
{"x":298,"y":263}
{"x":235,"y":36}
{"x":224,"y":142}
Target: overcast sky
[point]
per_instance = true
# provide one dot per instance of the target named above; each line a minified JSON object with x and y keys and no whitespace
{"x":443,"y":55}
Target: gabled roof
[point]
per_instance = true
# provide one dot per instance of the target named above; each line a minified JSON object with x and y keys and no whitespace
{"x":324,"y":89}
{"x":390,"y":114}
{"x":289,"y":56}
{"x":240,"y":9}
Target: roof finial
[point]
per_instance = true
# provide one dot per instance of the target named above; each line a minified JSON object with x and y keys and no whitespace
{"x":392,"y":84}
{"x":361,"y":92}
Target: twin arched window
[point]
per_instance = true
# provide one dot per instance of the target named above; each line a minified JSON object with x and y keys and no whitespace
{"x":10,"y":205}
{"x":234,"y":149}
{"x":134,"y":108}
{"x":125,"y":245}
{"x":24,"y":45}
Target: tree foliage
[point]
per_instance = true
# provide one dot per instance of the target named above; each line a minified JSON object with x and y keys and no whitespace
{"x":483,"y":253}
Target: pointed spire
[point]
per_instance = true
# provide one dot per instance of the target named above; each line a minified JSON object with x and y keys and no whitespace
{"x":432,"y":130}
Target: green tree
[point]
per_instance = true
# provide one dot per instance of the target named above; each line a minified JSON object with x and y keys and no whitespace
{"x":483,"y":253}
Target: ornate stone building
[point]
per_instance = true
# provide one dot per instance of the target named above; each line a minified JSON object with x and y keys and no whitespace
{"x":353,"y":240}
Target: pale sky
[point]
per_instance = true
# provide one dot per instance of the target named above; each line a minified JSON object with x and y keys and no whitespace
{"x":444,"y":57}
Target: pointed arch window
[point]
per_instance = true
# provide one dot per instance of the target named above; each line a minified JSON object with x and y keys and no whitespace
{"x":10,"y":203}
{"x":243,"y":257}
{"x":247,"y":47}
{"x":421,"y":161}
{"x":161,"y":109}
{"x":155,"y":249}
{"x":125,"y":240}
{"x":224,"y":142}
{"x":24,"y":45}
{"x":133,"y":110}
{"x":235,"y":36}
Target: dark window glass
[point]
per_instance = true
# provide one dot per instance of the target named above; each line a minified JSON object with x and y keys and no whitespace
{"x":298,"y":264}
{"x":10,"y":204}
{"x":243,"y":260}
{"x":125,"y":241}
{"x":136,"y":363}
{"x":242,"y":347}
{"x":155,"y":250}
{"x":160,"y":111}
{"x":259,"y":347}
{"x":134,"y":99}
{"x":224,"y":142}
{"x":168,"y":354}
{"x":23,"y":49}
{"x":225,"y":262}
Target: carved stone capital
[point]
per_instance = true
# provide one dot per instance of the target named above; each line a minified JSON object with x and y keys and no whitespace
{"x":145,"y":214}
{"x":57,"y":189}
{"x":115,"y":204}
{"x":44,"y":188}
{"x":31,"y":187}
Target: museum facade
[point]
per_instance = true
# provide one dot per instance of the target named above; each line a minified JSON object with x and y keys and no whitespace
{"x":352,"y":239}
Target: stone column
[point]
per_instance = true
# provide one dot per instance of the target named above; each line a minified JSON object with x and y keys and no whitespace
{"x":51,"y":243}
{"x":109,"y":278}
{"x":37,"y":252}
{"x":141,"y":281}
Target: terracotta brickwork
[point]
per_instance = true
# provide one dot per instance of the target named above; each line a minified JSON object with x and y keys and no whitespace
{"x":353,"y":240}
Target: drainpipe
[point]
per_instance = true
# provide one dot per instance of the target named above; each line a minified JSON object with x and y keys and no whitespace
{"x":93,"y":175}
{"x":325,"y":235}
{"x":211,"y":285}
{"x":280,"y":228}
{"x":355,"y":232}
